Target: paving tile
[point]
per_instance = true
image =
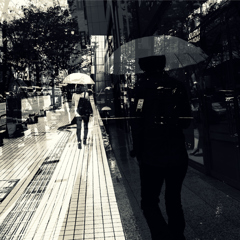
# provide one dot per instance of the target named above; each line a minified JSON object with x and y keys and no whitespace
{"x":89,"y":221}
{"x":98,"y":229}
{"x":70,"y":224}
{"x":68,"y":232}
{"x":89,"y":230}
{"x":71,"y":218}
{"x":110,"y":238}
{"x":79,"y":231}
{"x":80,"y":221}
{"x":98,"y":235}
{"x":88,"y":236}
{"x":109,"y":234}
{"x":117,"y":225}
{"x":121,"y":238}
{"x":118,"y":228}
{"x":78,"y":237}
{"x":98,"y":222}
{"x":68,"y":237}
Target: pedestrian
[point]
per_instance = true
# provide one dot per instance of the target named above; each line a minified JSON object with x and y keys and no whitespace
{"x":161,"y":112}
{"x":82,"y":110}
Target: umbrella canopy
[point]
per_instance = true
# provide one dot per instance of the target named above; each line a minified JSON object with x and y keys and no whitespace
{"x":106,"y":108}
{"x":107,"y":88}
{"x":78,"y":78}
{"x":179,"y":53}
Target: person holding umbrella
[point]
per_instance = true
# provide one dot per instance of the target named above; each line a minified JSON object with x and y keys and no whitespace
{"x":82,"y":110}
{"x":161,"y":111}
{"x":80,"y":102}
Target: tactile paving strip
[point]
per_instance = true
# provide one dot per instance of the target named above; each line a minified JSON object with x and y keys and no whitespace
{"x":15,"y":224}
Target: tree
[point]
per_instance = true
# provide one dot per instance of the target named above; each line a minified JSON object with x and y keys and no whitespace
{"x":48,"y":39}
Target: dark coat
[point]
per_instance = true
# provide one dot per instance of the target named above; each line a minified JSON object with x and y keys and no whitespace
{"x":157,"y":133}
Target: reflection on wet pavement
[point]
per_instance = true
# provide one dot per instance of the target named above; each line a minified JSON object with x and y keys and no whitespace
{"x":210,"y":206}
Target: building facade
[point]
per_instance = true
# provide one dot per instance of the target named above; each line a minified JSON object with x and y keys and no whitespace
{"x":213,"y":85}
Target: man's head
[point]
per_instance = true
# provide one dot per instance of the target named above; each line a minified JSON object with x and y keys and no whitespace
{"x":152,"y":63}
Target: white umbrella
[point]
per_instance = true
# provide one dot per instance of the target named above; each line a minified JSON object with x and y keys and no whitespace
{"x":106,"y":108}
{"x":107,"y":88}
{"x":179,"y":53}
{"x":78,"y":78}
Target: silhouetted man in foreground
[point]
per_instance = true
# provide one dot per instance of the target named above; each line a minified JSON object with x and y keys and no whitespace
{"x":162,"y":110}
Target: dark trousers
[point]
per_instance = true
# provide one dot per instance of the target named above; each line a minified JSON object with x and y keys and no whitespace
{"x":152,"y":179}
{"x":79,"y":126}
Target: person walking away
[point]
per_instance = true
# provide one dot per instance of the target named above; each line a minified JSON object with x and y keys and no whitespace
{"x":82,"y":110}
{"x":161,"y":111}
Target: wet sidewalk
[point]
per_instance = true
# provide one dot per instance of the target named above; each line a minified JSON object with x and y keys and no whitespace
{"x":211,"y":207}
{"x":52,"y":189}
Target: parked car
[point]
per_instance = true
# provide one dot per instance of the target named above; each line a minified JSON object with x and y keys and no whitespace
{"x":37,"y":91}
{"x":28,"y":91}
{"x":23,"y":91}
{"x":46,"y":91}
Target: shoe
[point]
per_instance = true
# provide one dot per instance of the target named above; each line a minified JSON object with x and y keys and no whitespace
{"x":194,"y":152}
{"x":79,"y":145}
{"x":84,"y":141}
